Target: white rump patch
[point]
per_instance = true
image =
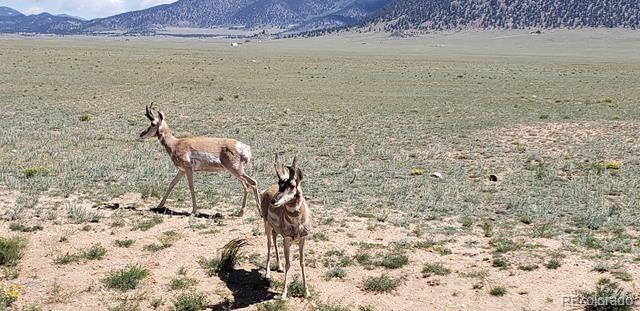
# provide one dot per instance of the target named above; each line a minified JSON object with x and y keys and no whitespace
{"x":244,"y":150}
{"x":207,"y":159}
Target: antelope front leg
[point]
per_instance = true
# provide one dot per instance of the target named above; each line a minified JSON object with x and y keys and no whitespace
{"x":267,"y":232}
{"x":274,"y":234}
{"x":171,"y":185}
{"x":304,"y":279}
{"x":287,"y":265}
{"x":189,"y":172}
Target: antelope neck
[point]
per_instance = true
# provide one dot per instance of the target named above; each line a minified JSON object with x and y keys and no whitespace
{"x":167,"y":140}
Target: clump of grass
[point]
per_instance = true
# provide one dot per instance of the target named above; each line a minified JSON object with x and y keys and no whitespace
{"x":607,"y":296}
{"x":528,"y":267}
{"x":442,"y":250}
{"x":11,"y":250}
{"x":66,"y":259}
{"x":33,"y":171}
{"x":8,"y":295}
{"x":126,"y":278}
{"x":436,"y":268}
{"x":296,"y":287}
{"x":123,"y":243}
{"x":166,"y":240}
{"x":94,"y":252}
{"x":336,"y":258}
{"x":425,"y":244}
{"x":274,"y":305}
{"x":333,"y":273}
{"x":498,"y":291}
{"x":85,"y":117}
{"x":416,"y":171}
{"x":553,"y":264}
{"x":325,"y":306}
{"x":229,"y":257}
{"x":149,"y":223}
{"x":612,"y":165}
{"x":364,"y":259}
{"x":499,"y":262}
{"x":81,"y":214}
{"x":622,"y":275}
{"x":381,"y":284}
{"x":487,"y":229}
{"x":22,"y":228}
{"x":189,"y":301}
{"x":504,"y":245}
{"x":181,"y":283}
{"x":320,"y":236}
{"x":393,"y":260}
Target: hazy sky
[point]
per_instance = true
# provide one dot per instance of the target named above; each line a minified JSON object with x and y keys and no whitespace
{"x":82,"y":8}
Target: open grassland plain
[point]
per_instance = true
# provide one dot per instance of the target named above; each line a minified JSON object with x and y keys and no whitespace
{"x":535,"y":138}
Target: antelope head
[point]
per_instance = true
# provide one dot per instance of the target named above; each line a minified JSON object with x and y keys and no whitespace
{"x":289,"y":178}
{"x":157,"y":123}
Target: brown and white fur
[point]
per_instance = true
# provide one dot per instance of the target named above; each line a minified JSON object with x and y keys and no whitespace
{"x":201,"y":154}
{"x":285,"y":212}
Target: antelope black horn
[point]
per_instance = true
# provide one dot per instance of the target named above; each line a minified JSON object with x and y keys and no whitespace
{"x":149,"y":113}
{"x":276,"y":165}
{"x":293,"y":164}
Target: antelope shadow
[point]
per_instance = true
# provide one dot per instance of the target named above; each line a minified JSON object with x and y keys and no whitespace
{"x":247,"y":287}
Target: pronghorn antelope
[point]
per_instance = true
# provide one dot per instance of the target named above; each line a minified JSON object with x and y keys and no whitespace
{"x":195,"y":154}
{"x":285,"y":212}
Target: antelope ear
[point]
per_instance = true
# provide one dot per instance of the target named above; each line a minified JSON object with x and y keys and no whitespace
{"x":298,"y":175}
{"x":161,"y":114}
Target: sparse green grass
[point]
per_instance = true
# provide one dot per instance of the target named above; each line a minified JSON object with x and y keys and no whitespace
{"x":553,"y":264}
{"x":22,"y":228}
{"x":409,"y":112}
{"x":333,"y":273}
{"x":95,"y":252}
{"x":381,"y":284}
{"x":528,"y":267}
{"x":149,"y":223}
{"x":189,"y":301}
{"x":498,"y":291}
{"x":608,"y":295}
{"x":434,"y":268}
{"x":81,"y":214}
{"x":273,"y":305}
{"x":181,"y":283}
{"x":11,"y":250}
{"x":124,"y":243}
{"x":296,"y":288}
{"x":325,"y":306}
{"x":126,"y":278}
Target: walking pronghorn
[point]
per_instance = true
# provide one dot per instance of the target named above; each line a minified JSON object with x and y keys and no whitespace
{"x":195,"y":154}
{"x":285,"y":212}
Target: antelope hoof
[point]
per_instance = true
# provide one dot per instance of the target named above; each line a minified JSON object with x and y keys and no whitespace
{"x":240,"y":213}
{"x":306,"y":293}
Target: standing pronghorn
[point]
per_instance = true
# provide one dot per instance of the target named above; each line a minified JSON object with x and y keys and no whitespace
{"x":194,"y":154}
{"x":285,"y":212}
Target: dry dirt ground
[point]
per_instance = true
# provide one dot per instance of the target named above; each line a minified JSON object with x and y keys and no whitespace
{"x":77,"y":286}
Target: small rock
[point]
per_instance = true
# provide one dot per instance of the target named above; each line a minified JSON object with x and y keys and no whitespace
{"x":493,"y":178}
{"x":436,"y":175}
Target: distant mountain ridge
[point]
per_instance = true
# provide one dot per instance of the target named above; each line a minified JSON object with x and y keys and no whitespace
{"x":323,"y":16}
{"x":505,"y":14}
